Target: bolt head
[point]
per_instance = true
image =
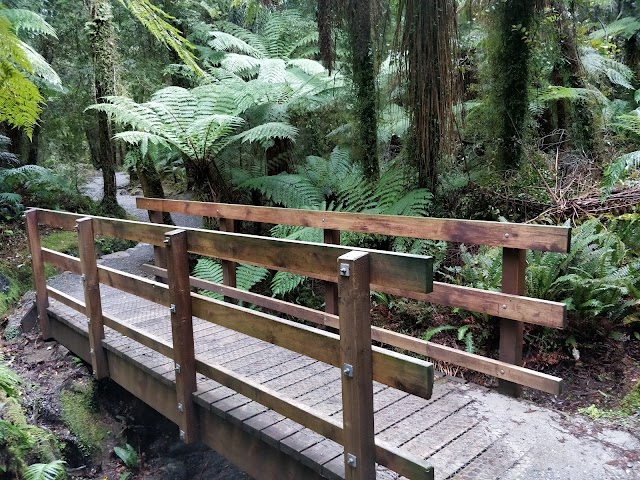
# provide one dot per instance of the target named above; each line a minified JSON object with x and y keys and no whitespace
{"x":504,"y":306}
{"x":506,"y":235}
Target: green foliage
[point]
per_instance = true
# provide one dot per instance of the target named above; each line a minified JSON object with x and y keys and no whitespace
{"x":20,"y":99}
{"x":630,"y":404}
{"x":464,"y":334}
{"x":335,"y":184}
{"x":597,"y":279}
{"x":46,"y":471}
{"x":9,"y":380}
{"x":156,"y":22}
{"x":35,"y":185}
{"x":20,"y":443}
{"x":128,"y":455}
{"x":210,"y":270}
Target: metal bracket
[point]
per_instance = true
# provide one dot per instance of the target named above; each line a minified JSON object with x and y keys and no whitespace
{"x":83,"y":277}
{"x":182,"y":435}
{"x":347,"y":370}
{"x":352,"y":460}
{"x":177,"y":368}
{"x":172,"y":308}
{"x":180,"y":408}
{"x":167,"y":241}
{"x":345,"y":271}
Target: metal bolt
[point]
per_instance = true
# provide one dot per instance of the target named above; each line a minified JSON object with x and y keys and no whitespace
{"x":504,"y":306}
{"x":92,"y":351}
{"x":180,"y":408}
{"x":177,"y":368}
{"x":501,"y":371}
{"x":182,"y":435}
{"x":83,"y":277}
{"x":347,"y":370}
{"x":352,"y":460}
{"x":344,"y":269}
{"x":167,"y":241}
{"x":172,"y":308}
{"x":506,"y":235}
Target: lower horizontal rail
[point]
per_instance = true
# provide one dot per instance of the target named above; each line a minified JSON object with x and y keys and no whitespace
{"x":478,"y":363}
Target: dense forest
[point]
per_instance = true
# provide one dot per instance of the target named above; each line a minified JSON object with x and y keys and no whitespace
{"x":505,"y":110}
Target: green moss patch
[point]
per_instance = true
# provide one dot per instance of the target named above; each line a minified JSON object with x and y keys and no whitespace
{"x":80,"y":414}
{"x":631,"y":402}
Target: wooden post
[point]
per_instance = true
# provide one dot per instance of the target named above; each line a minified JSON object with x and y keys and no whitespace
{"x":357,"y":370}
{"x":182,"y":331}
{"x":91,"y":286}
{"x":514,"y":263}
{"x":228,"y":268}
{"x":37,"y":267}
{"x":330,"y":288}
{"x":159,"y":253}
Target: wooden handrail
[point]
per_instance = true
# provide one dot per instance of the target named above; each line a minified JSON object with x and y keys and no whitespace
{"x":352,"y":351}
{"x":472,"y":232}
{"x":510,"y":306}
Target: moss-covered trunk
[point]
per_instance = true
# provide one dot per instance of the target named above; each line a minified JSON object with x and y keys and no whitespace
{"x":509,"y":54}
{"x":103,"y":52}
{"x":358,"y":20}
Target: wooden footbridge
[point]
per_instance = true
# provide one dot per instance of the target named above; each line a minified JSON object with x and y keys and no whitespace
{"x":280,"y":398}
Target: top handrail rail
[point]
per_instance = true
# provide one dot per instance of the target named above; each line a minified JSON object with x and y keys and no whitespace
{"x":473,"y":232}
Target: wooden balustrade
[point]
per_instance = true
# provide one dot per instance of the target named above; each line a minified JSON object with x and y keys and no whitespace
{"x":354,"y":271}
{"x":510,"y":306}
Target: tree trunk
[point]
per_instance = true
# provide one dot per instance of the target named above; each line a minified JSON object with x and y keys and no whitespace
{"x":325,"y":33}
{"x":103,"y":51}
{"x":509,"y":53}
{"x":358,"y":20}
{"x":150,"y":181}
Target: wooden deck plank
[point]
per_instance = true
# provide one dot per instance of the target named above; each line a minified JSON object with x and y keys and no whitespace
{"x":321,"y":453}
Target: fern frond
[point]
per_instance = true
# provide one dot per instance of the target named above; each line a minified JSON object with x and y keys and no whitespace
{"x":293,"y":191}
{"x":618,"y":170}
{"x":268,"y":131}
{"x":555,"y":92}
{"x":227,"y":42}
{"x":155,"y":21}
{"x":46,"y":471}
{"x":27,"y":20}
{"x":285,"y":282}
{"x":599,"y":66}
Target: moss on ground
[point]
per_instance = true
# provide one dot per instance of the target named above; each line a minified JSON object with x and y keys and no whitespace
{"x":79,"y":413}
{"x":631,"y":402}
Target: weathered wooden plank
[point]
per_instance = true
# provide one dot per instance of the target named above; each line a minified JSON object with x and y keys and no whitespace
{"x":93,"y":303}
{"x":37,"y":268}
{"x":407,"y":465}
{"x":388,"y":270}
{"x":141,"y":287}
{"x":514,"y":263}
{"x":473,"y":232}
{"x":404,"y":372}
{"x":147,"y":339}
{"x":228,"y":268}
{"x":331,"y":288}
{"x":357,"y":366}
{"x":182,"y":330}
{"x":65,"y":262}
{"x":67,"y":300}
{"x":503,"y":305}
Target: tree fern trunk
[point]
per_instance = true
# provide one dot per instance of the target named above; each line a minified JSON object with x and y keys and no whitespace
{"x":357,"y":16}
{"x":103,"y":52}
{"x":325,"y":33}
{"x":509,"y":53}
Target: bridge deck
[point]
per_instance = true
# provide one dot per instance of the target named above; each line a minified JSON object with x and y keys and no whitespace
{"x":464,"y":431}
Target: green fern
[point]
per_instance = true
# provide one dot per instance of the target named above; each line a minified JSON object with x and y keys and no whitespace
{"x":247,"y":276}
{"x":618,"y":170}
{"x":46,"y":471}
